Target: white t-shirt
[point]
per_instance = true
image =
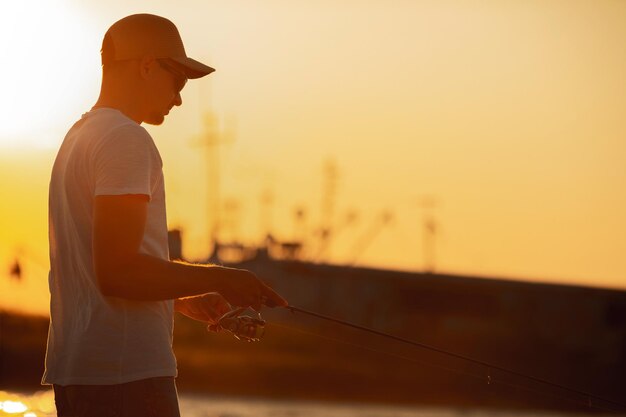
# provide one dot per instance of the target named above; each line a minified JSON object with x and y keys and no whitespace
{"x":95,"y":339}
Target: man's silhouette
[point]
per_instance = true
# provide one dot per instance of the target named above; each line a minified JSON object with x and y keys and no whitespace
{"x":113,"y":288}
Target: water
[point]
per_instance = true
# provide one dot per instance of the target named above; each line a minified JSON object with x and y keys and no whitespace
{"x":41,"y":404}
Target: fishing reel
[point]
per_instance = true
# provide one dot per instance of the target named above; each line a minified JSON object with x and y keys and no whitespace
{"x":240,"y":326}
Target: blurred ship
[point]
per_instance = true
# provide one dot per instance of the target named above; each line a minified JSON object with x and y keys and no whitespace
{"x":569,"y":335}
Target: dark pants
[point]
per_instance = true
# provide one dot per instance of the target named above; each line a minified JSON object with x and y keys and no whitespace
{"x":153,"y":397}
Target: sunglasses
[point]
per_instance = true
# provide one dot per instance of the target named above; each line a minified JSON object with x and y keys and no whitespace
{"x":180,"y":79}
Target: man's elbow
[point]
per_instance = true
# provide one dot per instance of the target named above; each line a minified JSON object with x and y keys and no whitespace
{"x":108,"y":282}
{"x":119,"y":277}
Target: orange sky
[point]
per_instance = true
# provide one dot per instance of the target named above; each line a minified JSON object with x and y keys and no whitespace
{"x":509,"y":113}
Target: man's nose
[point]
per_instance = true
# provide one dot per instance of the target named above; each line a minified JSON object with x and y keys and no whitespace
{"x":178,"y":100}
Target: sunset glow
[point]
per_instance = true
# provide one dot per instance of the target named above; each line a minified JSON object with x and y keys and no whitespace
{"x":509,"y":116}
{"x":43,"y":69}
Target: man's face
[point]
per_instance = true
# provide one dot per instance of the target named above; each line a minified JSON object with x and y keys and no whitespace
{"x":165,"y":91}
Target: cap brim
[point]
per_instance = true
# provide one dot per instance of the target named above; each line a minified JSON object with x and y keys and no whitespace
{"x":192,"y":68}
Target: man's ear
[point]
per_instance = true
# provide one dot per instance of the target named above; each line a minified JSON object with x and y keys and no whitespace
{"x":147,"y":66}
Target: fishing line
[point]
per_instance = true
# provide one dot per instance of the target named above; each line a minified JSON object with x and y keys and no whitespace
{"x":492,"y":380}
{"x":395,"y":355}
{"x":588,"y":396}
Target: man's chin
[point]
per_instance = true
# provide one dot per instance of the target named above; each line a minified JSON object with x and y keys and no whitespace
{"x":155,"y":119}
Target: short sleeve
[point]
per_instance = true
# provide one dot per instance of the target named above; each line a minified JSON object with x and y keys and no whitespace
{"x":124,"y":162}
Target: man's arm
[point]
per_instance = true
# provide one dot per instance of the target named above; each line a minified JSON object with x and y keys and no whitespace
{"x":122,"y":271}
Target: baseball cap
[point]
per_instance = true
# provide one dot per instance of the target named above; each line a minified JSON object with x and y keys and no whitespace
{"x":138,"y":35}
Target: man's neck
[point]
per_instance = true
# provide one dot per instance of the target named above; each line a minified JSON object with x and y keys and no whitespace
{"x":125,"y":109}
{"x":121,"y":98}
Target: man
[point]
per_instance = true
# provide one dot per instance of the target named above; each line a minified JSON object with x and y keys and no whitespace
{"x":113,"y":288}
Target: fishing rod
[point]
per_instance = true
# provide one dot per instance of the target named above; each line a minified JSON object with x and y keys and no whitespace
{"x":490,"y":366}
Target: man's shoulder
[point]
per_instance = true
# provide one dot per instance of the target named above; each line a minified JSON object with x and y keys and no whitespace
{"x":111,"y":121}
{"x":105,"y":128}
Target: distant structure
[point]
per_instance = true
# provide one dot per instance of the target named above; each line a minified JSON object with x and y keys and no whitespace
{"x":230,"y":220}
{"x":381,"y":221}
{"x":266,"y":199}
{"x":211,"y":139}
{"x":24,"y":255}
{"x":299,"y":229}
{"x":223,"y":220}
{"x":15,"y":270}
{"x":331,"y":173}
{"x":293,"y":249}
{"x":429,"y":232}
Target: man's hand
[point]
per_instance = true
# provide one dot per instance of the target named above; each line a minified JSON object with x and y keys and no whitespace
{"x":207,"y":308}
{"x":244,"y":289}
